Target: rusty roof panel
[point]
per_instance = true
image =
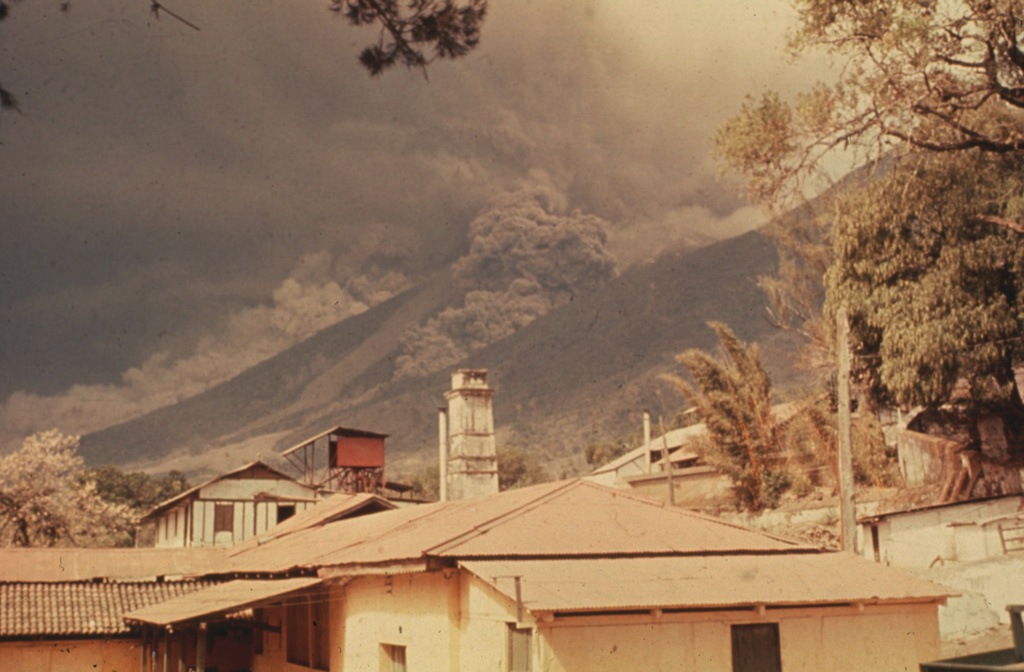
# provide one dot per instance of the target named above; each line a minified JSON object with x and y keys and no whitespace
{"x":690,"y":582}
{"x":83,"y":564}
{"x":218,"y":601}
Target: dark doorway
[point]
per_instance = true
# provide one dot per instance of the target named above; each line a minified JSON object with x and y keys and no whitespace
{"x":755,"y":648}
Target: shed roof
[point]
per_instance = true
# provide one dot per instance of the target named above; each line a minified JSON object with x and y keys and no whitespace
{"x":334,"y":508}
{"x":966,"y":503}
{"x":119,"y":564}
{"x":697,"y":582}
{"x":256,"y":469}
{"x":218,"y":601}
{"x":574,"y":518}
{"x":80,"y":607}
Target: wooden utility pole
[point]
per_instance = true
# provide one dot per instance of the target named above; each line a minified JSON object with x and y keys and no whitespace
{"x":668,"y":464}
{"x":847,"y":514}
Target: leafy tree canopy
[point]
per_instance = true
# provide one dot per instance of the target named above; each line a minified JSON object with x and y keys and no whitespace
{"x":733,"y":397}
{"x":42,"y":503}
{"x":913,"y":74}
{"x":413,"y":34}
{"x":518,"y":468}
{"x":137,"y":490}
{"x":935,"y":291}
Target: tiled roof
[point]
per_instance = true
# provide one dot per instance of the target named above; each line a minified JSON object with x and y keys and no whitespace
{"x":565,"y":519}
{"x":80,"y":607}
{"x":83,"y":564}
{"x":693,"y":582}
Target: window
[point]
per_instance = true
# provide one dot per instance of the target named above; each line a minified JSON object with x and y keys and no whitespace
{"x":392,"y":658}
{"x":284,"y":512}
{"x":519,"y":648}
{"x":223,"y":518}
{"x":307,"y":626}
{"x":755,"y":648}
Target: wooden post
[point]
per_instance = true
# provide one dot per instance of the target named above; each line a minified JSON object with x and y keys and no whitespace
{"x":647,"y":441}
{"x":181,"y":651}
{"x":668,"y":463}
{"x":847,"y":514}
{"x":167,"y":651}
{"x":201,"y":648}
{"x":519,"y":599}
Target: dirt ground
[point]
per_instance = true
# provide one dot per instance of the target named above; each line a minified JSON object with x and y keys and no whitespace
{"x":990,"y":640}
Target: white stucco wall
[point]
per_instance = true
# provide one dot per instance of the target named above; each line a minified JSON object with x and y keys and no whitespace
{"x":947,"y":534}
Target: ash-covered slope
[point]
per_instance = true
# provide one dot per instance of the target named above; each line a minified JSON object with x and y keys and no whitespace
{"x":580,"y":373}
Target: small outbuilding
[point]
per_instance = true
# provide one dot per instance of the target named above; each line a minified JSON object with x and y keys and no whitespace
{"x":229,"y":508}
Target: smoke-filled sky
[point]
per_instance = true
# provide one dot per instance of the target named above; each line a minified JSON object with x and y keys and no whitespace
{"x":177,"y":204}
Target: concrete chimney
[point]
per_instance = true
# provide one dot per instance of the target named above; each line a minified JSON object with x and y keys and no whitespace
{"x":472,"y":450}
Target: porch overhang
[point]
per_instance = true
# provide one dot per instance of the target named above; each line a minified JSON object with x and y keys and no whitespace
{"x":218,"y":601}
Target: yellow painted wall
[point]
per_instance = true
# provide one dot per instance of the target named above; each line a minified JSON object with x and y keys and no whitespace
{"x":418,"y":611}
{"x":110,"y":655}
{"x":449,"y":621}
{"x":838,"y":639}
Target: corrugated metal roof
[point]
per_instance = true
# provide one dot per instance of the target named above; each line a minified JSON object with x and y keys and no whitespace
{"x":334,"y":508}
{"x":83,"y":564}
{"x":217,"y":601}
{"x":567,"y":518}
{"x":690,"y":582}
{"x":80,"y":608}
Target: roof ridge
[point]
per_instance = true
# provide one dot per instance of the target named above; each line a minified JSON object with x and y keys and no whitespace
{"x":559,"y":489}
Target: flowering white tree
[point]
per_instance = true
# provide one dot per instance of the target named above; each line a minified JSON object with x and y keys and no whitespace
{"x":42,"y":503}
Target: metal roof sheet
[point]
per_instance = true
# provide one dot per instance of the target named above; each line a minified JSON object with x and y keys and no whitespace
{"x":168,"y":503}
{"x":336,"y":507}
{"x":689,"y":582}
{"x":567,"y":518}
{"x":84,"y":564}
{"x":81,"y":607}
{"x":219,"y":600}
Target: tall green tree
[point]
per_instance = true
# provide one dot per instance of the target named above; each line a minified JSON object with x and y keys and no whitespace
{"x":935,"y":290}
{"x":732,"y":394}
{"x":928,"y":97}
{"x":912,"y":75}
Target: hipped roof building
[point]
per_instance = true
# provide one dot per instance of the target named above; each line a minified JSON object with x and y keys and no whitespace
{"x":561,"y":576}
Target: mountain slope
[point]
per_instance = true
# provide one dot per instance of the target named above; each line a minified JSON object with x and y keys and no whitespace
{"x":581,"y":373}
